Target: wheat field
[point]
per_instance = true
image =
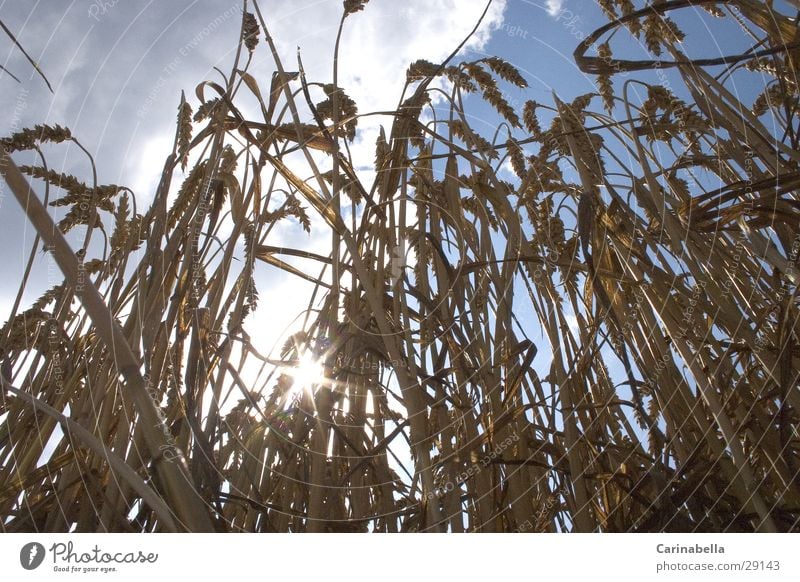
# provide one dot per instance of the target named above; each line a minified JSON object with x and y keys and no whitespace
{"x":646,"y":236}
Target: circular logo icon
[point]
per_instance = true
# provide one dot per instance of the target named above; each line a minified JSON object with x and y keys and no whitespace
{"x":31,"y":555}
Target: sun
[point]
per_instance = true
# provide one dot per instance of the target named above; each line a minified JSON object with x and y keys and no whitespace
{"x":307,"y":372}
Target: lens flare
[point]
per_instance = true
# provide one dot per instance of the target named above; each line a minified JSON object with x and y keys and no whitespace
{"x":307,"y":372}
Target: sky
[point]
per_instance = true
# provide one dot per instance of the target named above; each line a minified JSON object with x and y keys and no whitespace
{"x":118,"y":68}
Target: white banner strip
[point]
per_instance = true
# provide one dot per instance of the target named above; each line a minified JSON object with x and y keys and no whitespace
{"x":399,"y":557}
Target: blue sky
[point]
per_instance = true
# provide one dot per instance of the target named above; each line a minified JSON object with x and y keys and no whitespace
{"x":118,"y":68}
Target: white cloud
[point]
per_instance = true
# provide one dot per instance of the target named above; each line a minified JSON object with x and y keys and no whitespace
{"x":554,"y":7}
{"x":146,"y":164}
{"x":118,"y":89}
{"x":376,"y":48}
